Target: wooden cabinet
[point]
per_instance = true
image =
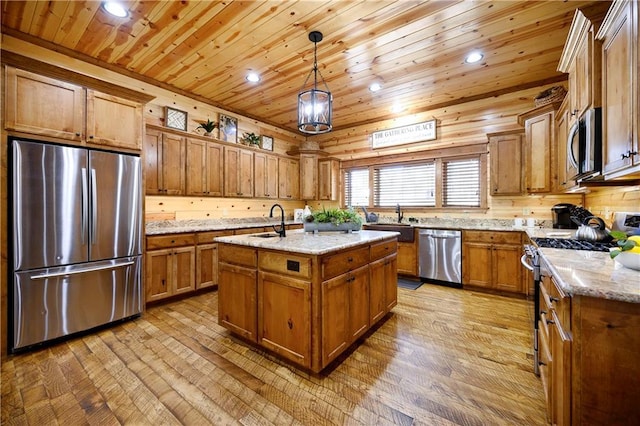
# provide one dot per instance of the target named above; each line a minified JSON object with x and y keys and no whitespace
{"x":540,"y":148}
{"x":306,"y":308}
{"x":266,"y":175}
{"x":70,"y":112}
{"x":164,"y":155}
{"x":238,"y":172}
{"x":204,"y":168}
{"x":113,"y":121}
{"x":554,"y":331}
{"x":207,"y":258}
{"x":505,"y":153}
{"x":566,"y":170}
{"x":408,"y":259}
{"x":284,"y":316}
{"x":383,"y":280}
{"x":308,"y":176}
{"x":620,"y":90}
{"x":328,"y":179}
{"x":288,"y":179}
{"x":170,"y":265}
{"x":492,"y":260}
{"x":237,"y":291}
{"x":345,"y":311}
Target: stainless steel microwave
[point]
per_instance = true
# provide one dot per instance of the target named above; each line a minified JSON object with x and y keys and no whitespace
{"x":584,"y":145}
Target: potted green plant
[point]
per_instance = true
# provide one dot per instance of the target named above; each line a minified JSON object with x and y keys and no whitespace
{"x":333,"y":220}
{"x":208,"y":127}
{"x":250,"y":138}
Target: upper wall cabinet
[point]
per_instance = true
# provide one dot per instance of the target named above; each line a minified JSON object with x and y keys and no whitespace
{"x":581,"y":60}
{"x":505,"y":153}
{"x":164,"y":157}
{"x":540,"y":148}
{"x":328,"y":179}
{"x":49,"y":107}
{"x":620,"y":98}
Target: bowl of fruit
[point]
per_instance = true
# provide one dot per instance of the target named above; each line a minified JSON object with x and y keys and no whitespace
{"x":628,"y":251}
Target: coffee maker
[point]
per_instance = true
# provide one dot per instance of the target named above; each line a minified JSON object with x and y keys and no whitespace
{"x":562,"y":216}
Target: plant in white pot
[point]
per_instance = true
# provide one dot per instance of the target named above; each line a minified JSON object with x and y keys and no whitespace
{"x":250,"y":138}
{"x":208,"y":127}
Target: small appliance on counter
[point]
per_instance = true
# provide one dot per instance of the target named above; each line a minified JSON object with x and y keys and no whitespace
{"x":562,"y":216}
{"x":569,"y":216}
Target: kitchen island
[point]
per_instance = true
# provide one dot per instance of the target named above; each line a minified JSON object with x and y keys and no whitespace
{"x":306,"y":297}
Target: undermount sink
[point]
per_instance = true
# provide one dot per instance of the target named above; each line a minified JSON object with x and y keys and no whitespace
{"x":406,"y":231}
{"x":265,"y":235}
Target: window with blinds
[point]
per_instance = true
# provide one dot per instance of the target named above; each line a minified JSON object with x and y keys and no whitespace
{"x":408,"y":185}
{"x":461,"y":183}
{"x":453,"y":182}
{"x":356,"y":187}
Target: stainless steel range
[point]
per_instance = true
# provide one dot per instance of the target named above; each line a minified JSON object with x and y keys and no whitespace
{"x":571,"y":244}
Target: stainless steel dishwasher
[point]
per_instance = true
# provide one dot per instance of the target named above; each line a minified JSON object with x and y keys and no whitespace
{"x":440,"y":256}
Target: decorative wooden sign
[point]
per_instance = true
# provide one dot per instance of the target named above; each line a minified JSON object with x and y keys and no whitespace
{"x":419,"y":132}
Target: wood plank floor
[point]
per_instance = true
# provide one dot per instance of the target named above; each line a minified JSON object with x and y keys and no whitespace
{"x":445,"y":356}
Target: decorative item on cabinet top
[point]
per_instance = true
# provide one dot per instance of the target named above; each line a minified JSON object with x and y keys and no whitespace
{"x":250,"y":138}
{"x":175,"y":119}
{"x":266,"y":142}
{"x":228,"y":128}
{"x":208,"y":127}
{"x":552,"y":94}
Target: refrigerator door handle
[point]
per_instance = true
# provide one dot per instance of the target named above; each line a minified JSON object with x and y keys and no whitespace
{"x":85,"y":205}
{"x":81,"y":271}
{"x":94,"y":205}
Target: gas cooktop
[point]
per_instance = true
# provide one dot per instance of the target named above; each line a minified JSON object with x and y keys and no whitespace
{"x":570,"y":244}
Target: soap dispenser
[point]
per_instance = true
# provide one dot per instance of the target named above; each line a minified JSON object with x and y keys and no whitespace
{"x":306,"y":212}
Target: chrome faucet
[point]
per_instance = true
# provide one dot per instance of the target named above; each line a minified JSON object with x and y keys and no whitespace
{"x":400,"y":215}
{"x":281,"y":231}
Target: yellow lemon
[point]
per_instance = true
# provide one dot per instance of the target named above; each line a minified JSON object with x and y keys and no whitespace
{"x":636,"y":239}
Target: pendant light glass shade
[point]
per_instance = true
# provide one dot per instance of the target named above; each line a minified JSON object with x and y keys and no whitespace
{"x":315,"y":105}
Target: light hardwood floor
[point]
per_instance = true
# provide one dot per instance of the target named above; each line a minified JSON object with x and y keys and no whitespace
{"x":444,"y":356}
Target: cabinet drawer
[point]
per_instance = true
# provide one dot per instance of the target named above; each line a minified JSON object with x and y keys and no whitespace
{"x":168,"y":241}
{"x":237,"y":255}
{"x":495,"y":237}
{"x":286,"y":264}
{"x":343,"y":262}
{"x":561,"y":303}
{"x":383,"y":249}
{"x":207,"y":237}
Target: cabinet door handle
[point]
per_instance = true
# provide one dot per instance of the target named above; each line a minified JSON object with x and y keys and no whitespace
{"x":550,"y":322}
{"x":163,"y":284}
{"x":290,"y":324}
{"x":554,"y":299}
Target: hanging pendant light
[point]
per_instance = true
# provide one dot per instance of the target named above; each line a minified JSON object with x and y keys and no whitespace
{"x":315,"y":105}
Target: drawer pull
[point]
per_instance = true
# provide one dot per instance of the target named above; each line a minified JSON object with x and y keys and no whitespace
{"x":350,"y":259}
{"x":554,"y":299}
{"x":550,"y":322}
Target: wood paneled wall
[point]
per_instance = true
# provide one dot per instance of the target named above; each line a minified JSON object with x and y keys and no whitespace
{"x":604,"y":201}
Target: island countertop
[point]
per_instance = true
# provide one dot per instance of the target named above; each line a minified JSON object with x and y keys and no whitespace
{"x":298,"y":241}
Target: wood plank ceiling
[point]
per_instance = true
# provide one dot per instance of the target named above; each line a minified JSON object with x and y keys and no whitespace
{"x":414,"y":49}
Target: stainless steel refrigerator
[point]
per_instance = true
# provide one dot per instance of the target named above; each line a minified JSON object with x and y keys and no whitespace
{"x":76,"y":219}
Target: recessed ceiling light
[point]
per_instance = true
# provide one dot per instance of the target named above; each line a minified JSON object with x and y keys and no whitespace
{"x":473,"y":57}
{"x":115,"y":9}
{"x":375,"y":87}
{"x":396,"y":108}
{"x":253,"y":77}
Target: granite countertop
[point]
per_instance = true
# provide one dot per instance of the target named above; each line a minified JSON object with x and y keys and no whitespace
{"x":298,"y":241}
{"x":592,"y":273}
{"x":202,"y":225}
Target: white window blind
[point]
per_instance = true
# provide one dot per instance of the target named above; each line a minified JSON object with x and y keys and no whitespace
{"x":407,"y":185}
{"x":356,"y":187}
{"x":461,"y":186}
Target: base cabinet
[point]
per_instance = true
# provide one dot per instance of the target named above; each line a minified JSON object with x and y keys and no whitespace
{"x":284,"y":316}
{"x":589,"y":358}
{"x":307,"y":309}
{"x":170,"y":266}
{"x":492,"y":260}
{"x":408,"y":259}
